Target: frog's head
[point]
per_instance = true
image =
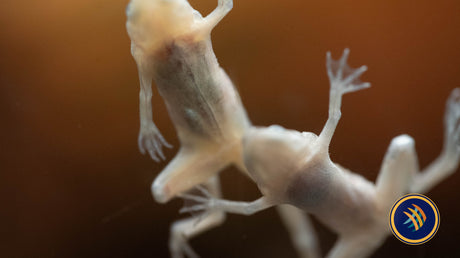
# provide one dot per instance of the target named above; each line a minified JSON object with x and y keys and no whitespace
{"x":153,"y":21}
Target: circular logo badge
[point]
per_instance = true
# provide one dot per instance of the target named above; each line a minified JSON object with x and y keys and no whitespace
{"x":414,"y":219}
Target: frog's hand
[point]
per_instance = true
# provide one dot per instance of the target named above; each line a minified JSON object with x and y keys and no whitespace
{"x":150,"y":140}
{"x":343,"y":79}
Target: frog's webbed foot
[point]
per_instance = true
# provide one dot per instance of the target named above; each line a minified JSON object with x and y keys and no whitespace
{"x":452,"y":123}
{"x":209,"y":203}
{"x":342,"y":77}
{"x":185,"y":229}
{"x":205,"y":202}
{"x":150,"y":140}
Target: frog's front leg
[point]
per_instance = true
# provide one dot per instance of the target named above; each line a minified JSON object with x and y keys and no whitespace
{"x":222,"y":9}
{"x":343,"y":79}
{"x":150,"y":139}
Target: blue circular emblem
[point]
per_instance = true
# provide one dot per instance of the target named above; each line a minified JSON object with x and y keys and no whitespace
{"x":414,"y":219}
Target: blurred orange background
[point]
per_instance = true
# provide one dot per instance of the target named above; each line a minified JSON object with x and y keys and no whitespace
{"x":73,"y":183}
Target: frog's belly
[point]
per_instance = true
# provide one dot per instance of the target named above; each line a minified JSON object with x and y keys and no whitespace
{"x":193,"y":117}
{"x":342,"y":201}
{"x":200,"y":98}
{"x":310,"y":188}
{"x":201,"y":105}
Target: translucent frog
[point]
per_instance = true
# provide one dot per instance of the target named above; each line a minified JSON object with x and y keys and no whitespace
{"x":292,"y":167}
{"x":171,"y":44}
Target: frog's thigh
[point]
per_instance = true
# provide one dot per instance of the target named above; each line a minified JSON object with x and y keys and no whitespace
{"x":397,"y":172}
{"x":356,"y":246}
{"x":189,"y":168}
{"x":301,"y":230}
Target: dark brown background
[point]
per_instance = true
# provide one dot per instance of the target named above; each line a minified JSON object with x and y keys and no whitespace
{"x":73,"y":183}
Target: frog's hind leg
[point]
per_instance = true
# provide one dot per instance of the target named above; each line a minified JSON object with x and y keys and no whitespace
{"x":399,"y":167}
{"x":301,"y":231}
{"x":400,"y":172}
{"x":183,"y":230}
{"x":189,"y":168}
{"x":447,"y":162}
{"x":357,"y":246}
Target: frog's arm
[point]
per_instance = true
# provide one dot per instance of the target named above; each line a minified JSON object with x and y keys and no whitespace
{"x":343,"y":79}
{"x":222,"y":9}
{"x":150,"y":139}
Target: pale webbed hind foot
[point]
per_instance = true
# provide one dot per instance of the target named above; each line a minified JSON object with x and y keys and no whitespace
{"x":150,"y":140}
{"x":342,"y":77}
{"x":212,"y":204}
{"x":452,"y":123}
{"x":185,"y":229}
{"x":205,"y":203}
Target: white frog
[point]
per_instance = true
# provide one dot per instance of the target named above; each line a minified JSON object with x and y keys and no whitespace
{"x":292,"y":167}
{"x":171,"y":44}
